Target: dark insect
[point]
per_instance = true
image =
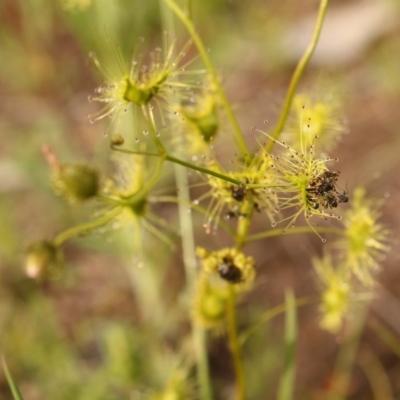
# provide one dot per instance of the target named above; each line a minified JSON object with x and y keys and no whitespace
{"x":343,"y":198}
{"x":238,"y":193}
{"x":229,"y":271}
{"x":322,"y":191}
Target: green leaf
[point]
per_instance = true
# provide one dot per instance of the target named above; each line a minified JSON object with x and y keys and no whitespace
{"x":14,"y":389}
{"x":286,"y":386}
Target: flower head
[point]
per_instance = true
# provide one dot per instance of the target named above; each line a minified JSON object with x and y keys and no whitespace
{"x":75,"y":182}
{"x":230,"y":265}
{"x":336,"y":293}
{"x":142,"y":84}
{"x":320,"y":117}
{"x":255,"y":193}
{"x":304,"y":183}
{"x":366,"y":239}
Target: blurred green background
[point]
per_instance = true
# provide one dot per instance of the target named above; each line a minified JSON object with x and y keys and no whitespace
{"x":108,"y":330}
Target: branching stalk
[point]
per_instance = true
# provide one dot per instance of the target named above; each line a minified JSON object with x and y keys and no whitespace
{"x":87,"y":227}
{"x":301,"y":66}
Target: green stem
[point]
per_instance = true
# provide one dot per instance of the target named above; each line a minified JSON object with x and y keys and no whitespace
{"x":235,"y":345}
{"x":243,"y":227}
{"x":189,"y":260}
{"x":181,"y":162}
{"x":272,"y":313}
{"x":301,"y":66}
{"x":186,"y":20}
{"x":292,"y":231}
{"x":83,"y":228}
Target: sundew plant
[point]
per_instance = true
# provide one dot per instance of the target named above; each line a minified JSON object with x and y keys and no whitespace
{"x":165,"y":126}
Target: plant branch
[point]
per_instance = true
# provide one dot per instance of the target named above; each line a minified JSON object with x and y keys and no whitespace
{"x":87,"y":227}
{"x":181,"y":162}
{"x":301,"y":66}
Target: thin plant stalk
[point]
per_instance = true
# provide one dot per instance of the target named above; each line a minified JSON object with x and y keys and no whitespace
{"x":293,"y":231}
{"x":180,"y":162}
{"x":13,"y":387}
{"x":234,"y":344}
{"x":87,"y":227}
{"x":189,"y":260}
{"x":301,"y":66}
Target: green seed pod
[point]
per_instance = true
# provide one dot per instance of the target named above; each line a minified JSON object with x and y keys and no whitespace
{"x":75,"y":182}
{"x":43,"y":260}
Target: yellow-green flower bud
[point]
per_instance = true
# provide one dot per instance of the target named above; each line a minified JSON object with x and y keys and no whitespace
{"x":75,"y":182}
{"x":43,"y":260}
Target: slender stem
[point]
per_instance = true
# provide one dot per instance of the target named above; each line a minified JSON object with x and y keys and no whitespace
{"x":235,"y":345}
{"x":243,"y":227}
{"x":204,"y":170}
{"x":292,"y":231}
{"x":189,"y":260}
{"x":83,"y":228}
{"x":181,"y":162}
{"x":301,"y":66}
{"x":186,"y":20}
{"x":272,"y":313}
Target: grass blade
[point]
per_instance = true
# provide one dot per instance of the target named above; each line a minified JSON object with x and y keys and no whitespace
{"x":286,"y":387}
{"x":13,"y":387}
